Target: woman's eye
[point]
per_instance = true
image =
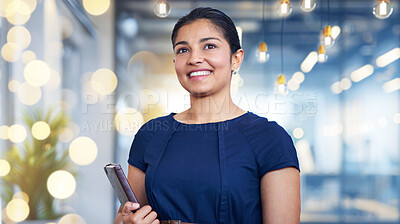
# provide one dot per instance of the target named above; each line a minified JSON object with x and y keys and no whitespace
{"x":182,"y":50}
{"x":210,"y":46}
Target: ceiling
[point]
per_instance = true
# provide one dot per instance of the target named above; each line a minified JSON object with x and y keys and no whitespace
{"x":360,"y":29}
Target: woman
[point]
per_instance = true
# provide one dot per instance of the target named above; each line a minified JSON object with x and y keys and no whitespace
{"x":213,"y":163}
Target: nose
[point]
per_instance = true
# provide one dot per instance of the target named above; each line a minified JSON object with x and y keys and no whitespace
{"x":196,"y":57}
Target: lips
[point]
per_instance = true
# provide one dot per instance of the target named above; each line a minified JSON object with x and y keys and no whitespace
{"x":199,"y":73}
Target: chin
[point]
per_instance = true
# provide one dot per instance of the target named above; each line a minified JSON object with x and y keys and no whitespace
{"x":199,"y":94}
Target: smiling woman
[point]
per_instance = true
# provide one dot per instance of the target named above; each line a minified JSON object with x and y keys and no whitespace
{"x":202,"y":53}
{"x":213,"y":163}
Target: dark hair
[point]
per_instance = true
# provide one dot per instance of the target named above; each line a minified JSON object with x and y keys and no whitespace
{"x":218,"y":18}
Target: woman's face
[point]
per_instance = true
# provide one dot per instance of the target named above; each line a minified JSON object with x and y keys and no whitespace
{"x":203,"y":60}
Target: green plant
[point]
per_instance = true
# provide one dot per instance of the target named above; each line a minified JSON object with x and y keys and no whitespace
{"x":32,"y":164}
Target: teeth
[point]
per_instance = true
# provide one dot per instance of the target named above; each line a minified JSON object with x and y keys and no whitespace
{"x":199,"y":73}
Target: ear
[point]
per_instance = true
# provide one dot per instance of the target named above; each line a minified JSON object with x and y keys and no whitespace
{"x":237,"y":59}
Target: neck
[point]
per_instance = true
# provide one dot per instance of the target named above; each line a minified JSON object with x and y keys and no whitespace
{"x":212,"y":108}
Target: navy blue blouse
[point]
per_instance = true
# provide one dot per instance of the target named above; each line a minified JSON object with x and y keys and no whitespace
{"x":210,"y":173}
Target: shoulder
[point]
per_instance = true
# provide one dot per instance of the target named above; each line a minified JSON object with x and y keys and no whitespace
{"x":272,"y":146}
{"x":155,"y":125}
{"x":255,"y":126}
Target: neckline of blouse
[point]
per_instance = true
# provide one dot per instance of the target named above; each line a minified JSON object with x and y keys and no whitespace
{"x":210,"y":123}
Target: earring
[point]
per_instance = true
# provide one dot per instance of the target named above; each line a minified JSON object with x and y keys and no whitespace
{"x":234,"y":72}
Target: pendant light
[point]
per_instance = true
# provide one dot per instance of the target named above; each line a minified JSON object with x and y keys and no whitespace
{"x":327,"y":36}
{"x":162,"y":8}
{"x":383,"y":9}
{"x":322,"y":57}
{"x":285,"y":8}
{"x":262,"y":54}
{"x":262,"y":51}
{"x":307,"y":5}
{"x":280,"y":85}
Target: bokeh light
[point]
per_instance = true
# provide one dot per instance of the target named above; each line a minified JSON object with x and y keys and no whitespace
{"x":29,"y":95}
{"x":83,"y":150}
{"x":298,"y":133}
{"x":54,"y":81}
{"x":61,"y":184}
{"x":21,"y":195}
{"x":11,"y":52}
{"x":37,"y":73}
{"x":17,"y":6}
{"x":18,"y":18}
{"x":13,"y":85}
{"x":345,"y":83}
{"x":149,"y":97}
{"x":66,"y":135}
{"x":18,"y":12}
{"x":40,"y":130}
{"x":19,"y":35}
{"x":28,"y":56}
{"x":31,"y":5}
{"x":16,"y":133}
{"x":298,"y":77}
{"x":75,"y":128}
{"x":128,"y":121}
{"x":96,"y":7}
{"x":104,"y":81}
{"x":151,"y":62}
{"x":4,"y":167}
{"x":336,"y":88}
{"x":333,"y":130}
{"x":335,"y":32}
{"x":17,"y":210}
{"x":293,"y":85}
{"x":3,"y":7}
{"x":309,"y":62}
{"x":4,"y":132}
{"x":72,"y":219}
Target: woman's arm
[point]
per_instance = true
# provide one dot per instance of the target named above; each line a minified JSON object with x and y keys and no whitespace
{"x":280,"y":196}
{"x":136,"y":179}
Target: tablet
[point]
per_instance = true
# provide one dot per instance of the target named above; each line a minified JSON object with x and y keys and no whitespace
{"x":119,"y":182}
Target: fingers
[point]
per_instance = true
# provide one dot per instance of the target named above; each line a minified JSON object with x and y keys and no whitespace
{"x":129,"y":207}
{"x":143,"y":211}
{"x":150,"y":217}
{"x":143,"y":215}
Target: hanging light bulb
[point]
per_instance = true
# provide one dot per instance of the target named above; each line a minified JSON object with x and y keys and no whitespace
{"x":262,"y":54}
{"x":162,"y":8}
{"x":281,"y":87}
{"x":307,"y":5}
{"x":327,"y":36}
{"x":383,"y":9}
{"x":285,"y":8}
{"x":322,"y":57}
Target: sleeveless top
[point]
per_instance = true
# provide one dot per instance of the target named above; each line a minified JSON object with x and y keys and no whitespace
{"x":211,"y":172}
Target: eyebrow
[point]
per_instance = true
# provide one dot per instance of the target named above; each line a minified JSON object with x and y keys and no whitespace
{"x":201,"y":41}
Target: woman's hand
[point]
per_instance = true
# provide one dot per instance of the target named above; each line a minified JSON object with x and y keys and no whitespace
{"x":144,"y":215}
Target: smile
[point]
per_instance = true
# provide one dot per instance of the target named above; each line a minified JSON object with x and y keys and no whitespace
{"x":199,"y":73}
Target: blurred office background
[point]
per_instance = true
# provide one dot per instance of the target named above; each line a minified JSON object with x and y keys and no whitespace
{"x":79,"y":77}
